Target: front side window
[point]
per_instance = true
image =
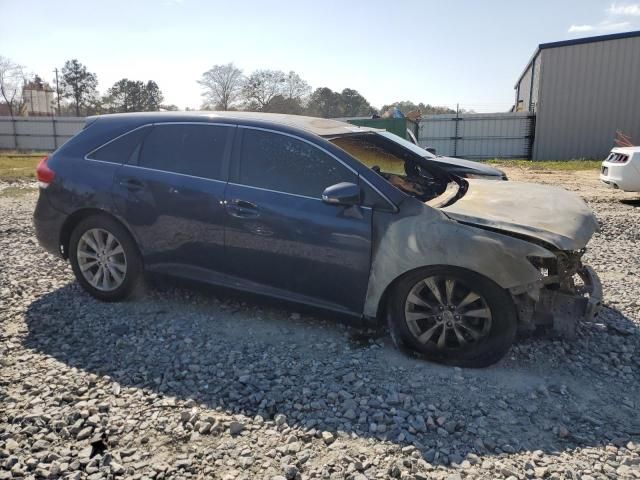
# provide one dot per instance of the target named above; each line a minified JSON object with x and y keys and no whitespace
{"x":372,"y":153}
{"x":189,"y":149}
{"x":286,"y":164}
{"x":394,"y":159}
{"x":122,"y":149}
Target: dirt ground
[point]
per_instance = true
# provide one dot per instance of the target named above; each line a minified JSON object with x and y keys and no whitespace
{"x":584,"y":182}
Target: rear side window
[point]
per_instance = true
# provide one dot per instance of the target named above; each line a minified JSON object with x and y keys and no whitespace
{"x":286,"y":164}
{"x":122,"y":149}
{"x":196,"y":150}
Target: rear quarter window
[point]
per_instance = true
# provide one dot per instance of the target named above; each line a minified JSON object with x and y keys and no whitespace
{"x":122,"y":148}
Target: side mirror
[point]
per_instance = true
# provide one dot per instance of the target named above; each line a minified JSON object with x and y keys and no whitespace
{"x":344,"y":193}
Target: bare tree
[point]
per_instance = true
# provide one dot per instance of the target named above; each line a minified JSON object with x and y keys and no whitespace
{"x":12,"y":78}
{"x":295,"y":87}
{"x":222,"y":85}
{"x":262,"y":87}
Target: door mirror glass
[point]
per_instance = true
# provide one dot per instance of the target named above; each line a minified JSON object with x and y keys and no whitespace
{"x":343,"y":193}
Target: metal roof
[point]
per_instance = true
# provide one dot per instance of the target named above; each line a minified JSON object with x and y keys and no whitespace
{"x":597,"y":38}
{"x":319,"y":126}
{"x":575,"y":41}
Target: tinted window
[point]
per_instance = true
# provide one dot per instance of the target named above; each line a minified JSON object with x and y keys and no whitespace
{"x":285,"y":164}
{"x":121,"y":149}
{"x":196,"y":150}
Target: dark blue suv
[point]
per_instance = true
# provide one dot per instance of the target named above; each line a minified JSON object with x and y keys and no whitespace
{"x":316,"y":211}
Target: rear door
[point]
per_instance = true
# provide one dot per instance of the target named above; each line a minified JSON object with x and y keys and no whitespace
{"x":281,"y":238}
{"x":171,"y":194}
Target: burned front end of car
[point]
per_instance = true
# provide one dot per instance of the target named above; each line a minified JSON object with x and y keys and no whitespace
{"x":568,"y":291}
{"x":559,"y":222}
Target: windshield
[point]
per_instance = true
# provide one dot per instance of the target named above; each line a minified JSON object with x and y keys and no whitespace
{"x":407,"y":144}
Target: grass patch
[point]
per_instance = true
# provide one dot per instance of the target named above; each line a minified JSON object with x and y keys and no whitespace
{"x":15,"y":166}
{"x":560,"y":165}
{"x":15,"y":192}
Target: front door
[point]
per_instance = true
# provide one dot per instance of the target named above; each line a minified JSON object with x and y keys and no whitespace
{"x":281,"y":238}
{"x":171,"y":194}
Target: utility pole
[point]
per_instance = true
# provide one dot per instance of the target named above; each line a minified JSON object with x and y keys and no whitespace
{"x":455,"y":141}
{"x":57,"y":91}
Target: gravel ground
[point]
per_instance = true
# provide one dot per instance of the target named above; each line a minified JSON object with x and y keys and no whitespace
{"x":184,"y":383}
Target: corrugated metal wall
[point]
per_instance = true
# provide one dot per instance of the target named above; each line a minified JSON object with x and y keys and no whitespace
{"x":478,"y":135}
{"x":588,"y":92}
{"x":526,"y":94}
{"x":38,"y":133}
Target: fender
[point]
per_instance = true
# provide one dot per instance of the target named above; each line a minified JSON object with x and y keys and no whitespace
{"x":421,"y":236}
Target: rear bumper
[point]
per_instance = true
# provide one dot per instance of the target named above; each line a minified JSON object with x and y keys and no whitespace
{"x":48,"y":222}
{"x":623,"y":177}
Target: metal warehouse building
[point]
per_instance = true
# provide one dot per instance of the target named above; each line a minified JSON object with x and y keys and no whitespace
{"x":581,"y":92}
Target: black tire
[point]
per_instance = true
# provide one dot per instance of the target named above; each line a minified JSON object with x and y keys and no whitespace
{"x":500,"y":332}
{"x":134,"y":267}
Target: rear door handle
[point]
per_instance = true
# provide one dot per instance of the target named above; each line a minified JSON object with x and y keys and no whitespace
{"x":242,"y":209}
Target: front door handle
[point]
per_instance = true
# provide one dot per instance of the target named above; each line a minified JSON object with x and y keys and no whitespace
{"x":244,"y":204}
{"x":132,"y":184}
{"x":242,"y":209}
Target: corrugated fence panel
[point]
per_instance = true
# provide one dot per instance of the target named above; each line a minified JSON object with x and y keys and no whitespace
{"x":502,"y":135}
{"x":37,"y":133}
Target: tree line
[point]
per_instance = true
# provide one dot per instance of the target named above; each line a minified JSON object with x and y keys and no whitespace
{"x":77,"y":88}
{"x":224,"y":87}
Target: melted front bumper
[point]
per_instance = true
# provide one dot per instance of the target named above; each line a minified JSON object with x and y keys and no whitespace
{"x":561,"y":310}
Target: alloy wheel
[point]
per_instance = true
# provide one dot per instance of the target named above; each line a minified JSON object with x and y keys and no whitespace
{"x":446,"y":313}
{"x":101,"y":259}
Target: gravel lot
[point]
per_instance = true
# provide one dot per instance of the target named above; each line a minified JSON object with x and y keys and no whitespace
{"x":204,"y":383}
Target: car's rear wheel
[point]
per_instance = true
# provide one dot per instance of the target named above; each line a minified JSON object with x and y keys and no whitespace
{"x":452,"y":316}
{"x":105,"y":258}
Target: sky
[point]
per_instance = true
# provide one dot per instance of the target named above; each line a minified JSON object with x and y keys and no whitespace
{"x":447,"y":52}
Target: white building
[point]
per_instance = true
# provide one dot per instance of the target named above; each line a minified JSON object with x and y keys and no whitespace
{"x":39,"y":98}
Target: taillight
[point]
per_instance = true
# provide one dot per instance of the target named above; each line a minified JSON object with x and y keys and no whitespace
{"x":44,"y":174}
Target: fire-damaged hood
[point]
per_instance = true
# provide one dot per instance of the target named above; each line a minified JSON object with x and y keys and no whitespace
{"x":550,"y":214}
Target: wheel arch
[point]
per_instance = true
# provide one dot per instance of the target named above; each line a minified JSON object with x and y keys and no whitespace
{"x":79,"y":215}
{"x":383,"y":303}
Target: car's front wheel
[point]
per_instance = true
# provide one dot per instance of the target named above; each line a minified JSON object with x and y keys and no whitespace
{"x":452,"y":316}
{"x":105,"y":258}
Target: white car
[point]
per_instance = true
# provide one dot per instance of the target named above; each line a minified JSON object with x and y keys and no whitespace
{"x":621,"y":169}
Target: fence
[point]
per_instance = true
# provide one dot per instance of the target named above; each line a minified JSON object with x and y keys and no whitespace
{"x":479,"y":135}
{"x":502,"y":135}
{"x":37,"y":133}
